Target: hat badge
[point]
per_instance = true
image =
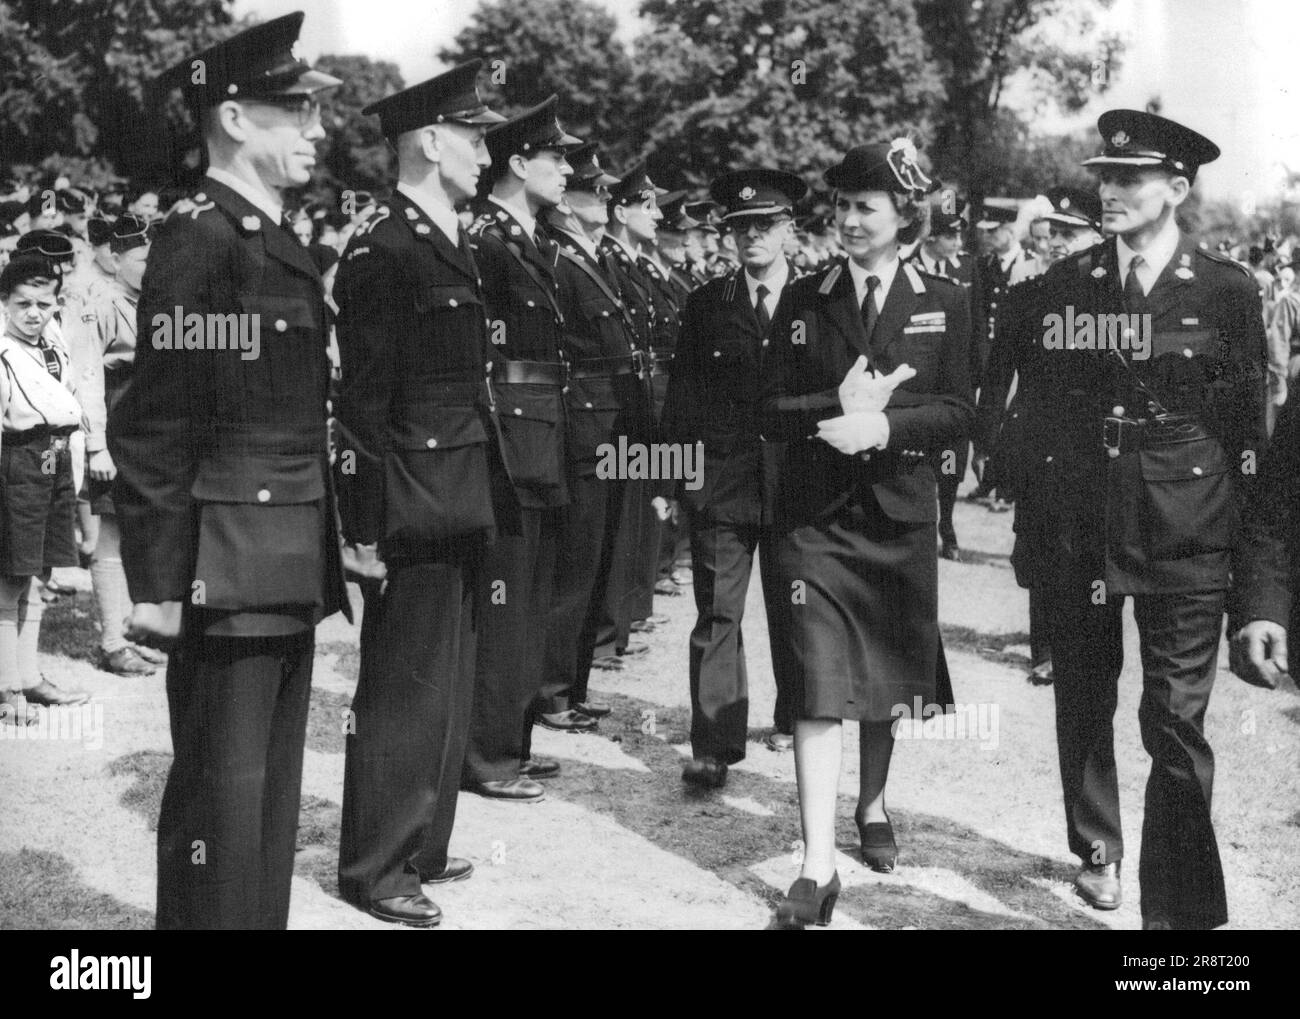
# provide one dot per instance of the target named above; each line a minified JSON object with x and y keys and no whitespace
{"x":1119,"y":139}
{"x":1065,"y":203}
{"x":746,"y":193}
{"x":250,"y":222}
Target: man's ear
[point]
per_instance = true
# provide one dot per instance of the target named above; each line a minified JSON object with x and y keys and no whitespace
{"x":1179,"y":188}
{"x":230,"y":119}
{"x":431,"y":144}
{"x":620,"y":214}
{"x":519,"y":166}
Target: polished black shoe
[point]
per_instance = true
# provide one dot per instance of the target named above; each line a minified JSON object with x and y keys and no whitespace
{"x":808,"y":903}
{"x":519,"y":789}
{"x":879,"y":850}
{"x":539,"y":767}
{"x":950,"y":551}
{"x":705,"y":772}
{"x":666,"y":586}
{"x":456,"y":870}
{"x":642,"y":626}
{"x":412,"y":910}
{"x":48,"y":695}
{"x":1098,"y":885}
{"x":1041,"y":674}
{"x":592,"y":709}
{"x":567,"y":721}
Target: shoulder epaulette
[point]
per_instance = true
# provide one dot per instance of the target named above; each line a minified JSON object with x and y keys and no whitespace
{"x":914,"y":278}
{"x":191,"y":207}
{"x":1215,"y":256}
{"x":832,"y":276}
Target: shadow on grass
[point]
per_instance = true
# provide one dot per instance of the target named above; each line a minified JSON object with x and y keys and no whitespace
{"x":68,"y":628}
{"x":40,"y":890}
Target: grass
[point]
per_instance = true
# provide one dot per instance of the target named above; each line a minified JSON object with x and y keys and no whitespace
{"x":41,"y":891}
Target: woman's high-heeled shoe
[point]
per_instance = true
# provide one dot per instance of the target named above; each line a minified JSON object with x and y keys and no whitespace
{"x":807,"y":902}
{"x":879,"y":850}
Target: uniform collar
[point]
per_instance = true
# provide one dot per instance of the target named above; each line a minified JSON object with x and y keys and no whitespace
{"x":260,"y":198}
{"x":774,"y":283}
{"x":884,"y":273}
{"x":1156,"y":256}
{"x":521,"y":216}
{"x":444,"y":216}
{"x":583,"y":241}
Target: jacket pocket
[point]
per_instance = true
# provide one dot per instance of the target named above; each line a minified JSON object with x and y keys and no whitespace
{"x":592,"y":411}
{"x":436,"y":482}
{"x":1189,"y":501}
{"x":530,"y":429}
{"x":261,"y":540}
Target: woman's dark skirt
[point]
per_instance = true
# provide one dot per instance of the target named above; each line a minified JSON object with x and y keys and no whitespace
{"x":864,"y":616}
{"x":37,"y":508}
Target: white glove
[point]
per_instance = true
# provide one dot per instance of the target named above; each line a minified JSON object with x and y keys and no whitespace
{"x":855,"y":432}
{"x":863,"y":389}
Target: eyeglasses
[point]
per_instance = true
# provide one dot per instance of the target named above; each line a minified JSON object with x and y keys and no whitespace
{"x":306,"y":110}
{"x":764,"y":224}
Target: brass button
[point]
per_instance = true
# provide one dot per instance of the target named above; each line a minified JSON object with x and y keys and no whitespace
{"x":281,"y":325}
{"x":1187,"y":352}
{"x":452,"y":303}
{"x":1117,"y":411}
{"x":518,"y":410}
{"x":717,"y":353}
{"x":431,"y":443}
{"x":531,"y":304}
{"x":587,"y":405}
{"x":1197,"y":471}
{"x":264,"y":495}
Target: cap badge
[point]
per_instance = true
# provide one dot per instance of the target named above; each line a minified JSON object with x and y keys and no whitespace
{"x":746,"y":193}
{"x":1065,"y":203}
{"x":250,"y":222}
{"x":1098,"y":272}
{"x":1119,"y":139}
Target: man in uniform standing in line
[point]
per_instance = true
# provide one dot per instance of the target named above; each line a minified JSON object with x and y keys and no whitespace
{"x":1149,"y":433}
{"x":222,"y":490}
{"x":417,"y":464}
{"x":714,"y":399}
{"x":528,"y":174}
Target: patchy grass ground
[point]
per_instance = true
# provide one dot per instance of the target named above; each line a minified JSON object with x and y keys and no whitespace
{"x":619,"y":843}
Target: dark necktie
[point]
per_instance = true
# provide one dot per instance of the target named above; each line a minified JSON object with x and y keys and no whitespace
{"x":869,"y":311}
{"x":1133,"y":295}
{"x":760,"y":308}
{"x":51,"y":358}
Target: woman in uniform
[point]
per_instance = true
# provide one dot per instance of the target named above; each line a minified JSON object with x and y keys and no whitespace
{"x":869,"y":372}
{"x":38,"y":412}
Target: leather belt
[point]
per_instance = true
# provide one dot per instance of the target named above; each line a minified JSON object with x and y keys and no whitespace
{"x":603,"y":367}
{"x":545,"y":373}
{"x":661,"y":362}
{"x":1127,"y":435}
{"x":42,"y":435}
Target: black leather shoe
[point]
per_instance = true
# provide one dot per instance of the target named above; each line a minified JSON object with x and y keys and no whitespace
{"x":666,"y":586}
{"x":950,"y":551}
{"x":567,"y":721}
{"x":1098,"y":885}
{"x":48,"y":695}
{"x":642,"y":626}
{"x":412,"y":910}
{"x":593,"y":709}
{"x":1041,"y":674}
{"x":520,"y":789}
{"x":456,"y":870}
{"x":705,"y":772}
{"x":539,"y":767}
{"x":807,"y":902}
{"x":879,"y":850}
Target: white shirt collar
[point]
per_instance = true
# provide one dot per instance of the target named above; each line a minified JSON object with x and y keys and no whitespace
{"x":775,"y":283}
{"x":260,"y":198}
{"x":444,"y":216}
{"x":583,"y":241}
{"x":1154,"y":258}
{"x":885,"y":273}
{"x":525,"y":218}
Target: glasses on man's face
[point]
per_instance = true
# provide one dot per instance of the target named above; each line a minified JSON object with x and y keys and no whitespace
{"x":305,"y":110}
{"x":762,"y":224}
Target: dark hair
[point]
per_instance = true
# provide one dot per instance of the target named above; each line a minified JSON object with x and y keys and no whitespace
{"x":23,"y":269}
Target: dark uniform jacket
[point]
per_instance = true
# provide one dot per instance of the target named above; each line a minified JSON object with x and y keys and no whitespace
{"x":223,"y":483}
{"x":817,"y":334}
{"x":525,"y":326}
{"x":665,"y":297}
{"x":1268,"y":566}
{"x":414,"y":420}
{"x":715,"y":397}
{"x":1164,"y":510}
{"x":635,"y":291}
{"x":609,"y":375}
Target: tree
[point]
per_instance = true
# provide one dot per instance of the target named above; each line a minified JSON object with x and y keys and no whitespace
{"x":983,"y":46}
{"x":565,"y":47}
{"x":791,"y":83}
{"x":354,"y":153}
{"x":74,"y":76}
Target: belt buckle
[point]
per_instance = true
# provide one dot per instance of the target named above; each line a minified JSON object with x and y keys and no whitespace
{"x":653,"y":362}
{"x":58,"y":443}
{"x":639,"y":363}
{"x":1112,"y":431}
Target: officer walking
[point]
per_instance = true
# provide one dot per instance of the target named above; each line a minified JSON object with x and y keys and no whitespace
{"x":714,"y":399}
{"x":1149,"y":405}
{"x":222,"y":490}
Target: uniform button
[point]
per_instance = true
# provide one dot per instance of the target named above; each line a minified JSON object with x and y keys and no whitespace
{"x":264,"y":495}
{"x":1047,"y":460}
{"x":531,"y":304}
{"x":717,"y":353}
{"x":1197,"y":471}
{"x":765,"y":342}
{"x":1117,"y":411}
{"x":431,"y":443}
{"x":452,"y":303}
{"x":587,"y":405}
{"x":605,"y":313}
{"x":200,"y":198}
{"x":281,"y":325}
{"x":1187,"y":352}
{"x":519,"y":410}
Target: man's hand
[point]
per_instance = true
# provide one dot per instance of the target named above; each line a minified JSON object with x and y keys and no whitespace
{"x":101,"y":466}
{"x":855,"y":432}
{"x":666,"y":509}
{"x":155,"y":624}
{"x":1257,"y":653}
{"x":864,"y":390}
{"x":364,"y":562}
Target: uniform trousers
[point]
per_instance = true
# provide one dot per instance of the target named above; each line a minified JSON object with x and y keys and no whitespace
{"x":516,"y":587}
{"x":582,"y":564}
{"x":722,"y":558}
{"x":229,"y":819}
{"x":411,"y":717}
{"x":1179,"y":870}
